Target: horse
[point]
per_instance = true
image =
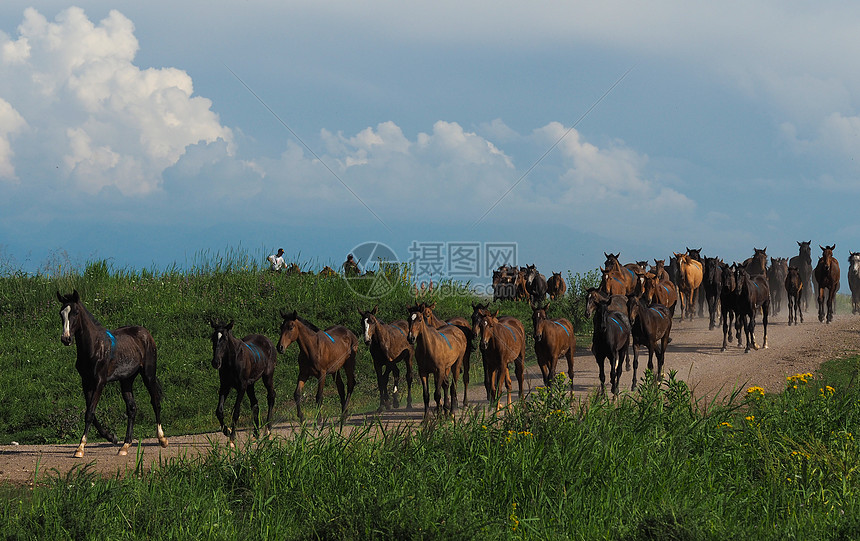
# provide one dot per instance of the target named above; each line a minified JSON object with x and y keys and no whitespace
{"x":803,"y":263}
{"x":757,"y":264}
{"x":728,"y":304}
{"x":105,"y":356}
{"x":437,"y":351}
{"x":650,"y":324}
{"x":321,"y":352}
{"x":504,"y":288}
{"x":388,"y":346}
{"x":520,"y":285}
{"x":659,"y":269}
{"x":536,"y":284}
{"x":660,"y":291}
{"x":793,"y":290}
{"x":240,"y":363}
{"x":854,"y":281}
{"x":628,"y":275}
{"x":612,"y":283}
{"x":464,"y":326}
{"x":691,"y":273}
{"x":327,"y":272}
{"x":753,"y":295}
{"x":696,"y":255}
{"x":502,"y":341}
{"x":610,"y":339}
{"x":711,"y":285}
{"x":552,"y":338}
{"x":776,"y":281}
{"x":827,"y":276}
{"x":556,"y":286}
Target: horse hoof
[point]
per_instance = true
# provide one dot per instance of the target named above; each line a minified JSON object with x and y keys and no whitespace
{"x":163,"y":442}
{"x":123,"y":451}
{"x":231,"y":445}
{"x":79,"y":453}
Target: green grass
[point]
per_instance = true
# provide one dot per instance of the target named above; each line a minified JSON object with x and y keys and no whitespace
{"x":652,"y":466}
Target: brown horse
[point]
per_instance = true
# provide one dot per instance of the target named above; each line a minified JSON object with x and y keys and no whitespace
{"x":659,"y":269}
{"x":660,"y":291}
{"x":437,"y":352}
{"x":320,"y":353}
{"x":827,"y":276}
{"x":794,"y":290}
{"x":691,"y":274}
{"x":614,"y":272}
{"x":502,"y":340}
{"x":105,"y":356}
{"x":327,"y":272}
{"x":461,"y":323}
{"x":650,"y":325}
{"x":240,"y":363}
{"x":553,"y":338}
{"x":556,"y":286}
{"x":388,"y":346}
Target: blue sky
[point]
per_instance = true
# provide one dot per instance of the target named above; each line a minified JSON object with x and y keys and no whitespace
{"x":126,"y":136}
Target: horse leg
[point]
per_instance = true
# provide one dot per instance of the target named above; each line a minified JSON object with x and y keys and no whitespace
{"x":821,"y":305}
{"x":382,"y":384}
{"x":395,"y":396}
{"x":467,"y":358}
{"x":437,"y":394}
{"x":519,"y":371}
{"x":602,"y":376}
{"x":408,"y":380}
{"x":91,"y":396}
{"x":765,"y":309}
{"x":341,"y":392}
{"x":830,"y":309}
{"x":126,"y":386}
{"x":255,"y":409}
{"x":297,"y":394}
{"x":569,"y":355}
{"x":319,"y":395}
{"x":223,"y":391}
{"x":726,"y":333}
{"x":615,"y":366}
{"x":240,"y":394}
{"x":268,"y":381}
{"x":507,"y":374}
{"x":425,"y":384}
{"x":349,"y":368}
{"x":153,"y":387}
{"x":635,"y":365}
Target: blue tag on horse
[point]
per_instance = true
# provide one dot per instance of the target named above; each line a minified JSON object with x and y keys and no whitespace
{"x":511,"y":331}
{"x":329,"y":337}
{"x":255,"y":350}
{"x":563,"y":327}
{"x":112,"y":339}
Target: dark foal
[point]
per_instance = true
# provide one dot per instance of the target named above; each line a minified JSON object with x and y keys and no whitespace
{"x":240,"y":363}
{"x":105,"y":356}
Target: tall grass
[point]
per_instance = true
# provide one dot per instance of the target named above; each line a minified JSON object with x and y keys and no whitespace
{"x":652,"y":466}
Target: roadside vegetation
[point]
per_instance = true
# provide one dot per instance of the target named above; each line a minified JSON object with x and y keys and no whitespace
{"x":769,"y":464}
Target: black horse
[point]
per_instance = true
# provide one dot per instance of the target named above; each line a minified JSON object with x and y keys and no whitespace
{"x":240,"y":363}
{"x":803,"y":262}
{"x":650,"y":326}
{"x":728,"y":304}
{"x":753,"y":295}
{"x":610,"y":340}
{"x":105,"y":356}
{"x":712,"y":285}
{"x":776,"y":275}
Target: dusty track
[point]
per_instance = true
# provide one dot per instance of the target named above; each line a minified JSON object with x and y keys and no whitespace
{"x":694,"y":353}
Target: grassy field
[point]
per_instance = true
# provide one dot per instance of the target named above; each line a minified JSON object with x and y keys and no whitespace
{"x":656,"y":465}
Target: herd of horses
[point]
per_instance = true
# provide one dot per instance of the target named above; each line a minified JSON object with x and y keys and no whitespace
{"x":635,"y":303}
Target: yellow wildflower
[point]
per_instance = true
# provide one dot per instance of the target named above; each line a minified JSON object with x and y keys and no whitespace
{"x":725,"y":424}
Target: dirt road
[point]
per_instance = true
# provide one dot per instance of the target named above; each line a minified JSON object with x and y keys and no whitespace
{"x":694,"y":353}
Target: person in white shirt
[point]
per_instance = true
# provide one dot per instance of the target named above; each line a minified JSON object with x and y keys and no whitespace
{"x":277,"y":260}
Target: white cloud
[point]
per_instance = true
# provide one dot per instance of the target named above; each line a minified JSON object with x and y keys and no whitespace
{"x":108,"y":121}
{"x":11,"y":122}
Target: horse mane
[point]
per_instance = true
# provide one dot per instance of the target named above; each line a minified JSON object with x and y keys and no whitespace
{"x":308,"y":324}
